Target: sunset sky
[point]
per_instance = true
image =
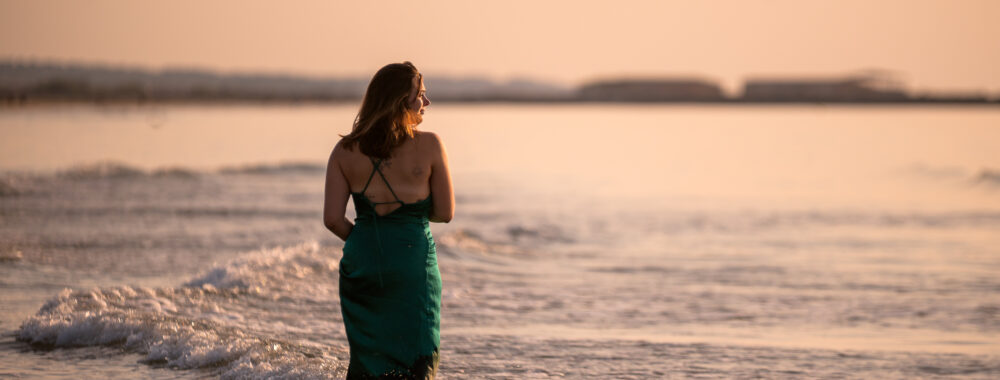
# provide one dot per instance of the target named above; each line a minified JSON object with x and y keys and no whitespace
{"x":943,"y":45}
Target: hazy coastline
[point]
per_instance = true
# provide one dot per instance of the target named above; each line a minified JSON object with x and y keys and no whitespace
{"x":46,"y":83}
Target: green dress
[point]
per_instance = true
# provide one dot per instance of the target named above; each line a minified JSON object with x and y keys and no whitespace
{"x":390,"y":290}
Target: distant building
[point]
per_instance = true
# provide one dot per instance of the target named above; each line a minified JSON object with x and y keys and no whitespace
{"x":861,"y":88}
{"x":691,"y":90}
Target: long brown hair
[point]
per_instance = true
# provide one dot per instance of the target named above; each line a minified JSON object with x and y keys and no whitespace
{"x":385,"y":120}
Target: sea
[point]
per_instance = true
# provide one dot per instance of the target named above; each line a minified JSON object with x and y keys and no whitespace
{"x":590,"y":241}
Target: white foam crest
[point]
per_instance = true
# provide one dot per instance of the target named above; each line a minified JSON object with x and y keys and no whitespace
{"x":149,"y":322}
{"x":269,"y":270}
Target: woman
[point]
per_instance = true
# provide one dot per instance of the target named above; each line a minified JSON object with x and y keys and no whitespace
{"x":390,"y":287}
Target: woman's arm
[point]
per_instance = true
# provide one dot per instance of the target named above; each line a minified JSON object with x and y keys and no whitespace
{"x":441,"y":190}
{"x":336,"y":195}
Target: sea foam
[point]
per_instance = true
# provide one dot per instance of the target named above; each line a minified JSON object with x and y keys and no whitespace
{"x":186,"y":327}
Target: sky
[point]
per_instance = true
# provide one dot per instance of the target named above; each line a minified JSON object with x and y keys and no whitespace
{"x":946,"y":45}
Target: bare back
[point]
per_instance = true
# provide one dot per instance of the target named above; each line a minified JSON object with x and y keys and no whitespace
{"x":408,"y":172}
{"x":416,"y":170}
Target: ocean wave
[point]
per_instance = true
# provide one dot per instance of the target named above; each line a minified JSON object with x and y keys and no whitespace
{"x":269,"y":270}
{"x":121,"y":170}
{"x":105,"y":169}
{"x":145,"y":321}
{"x":189,"y":327}
{"x":174,"y":172}
{"x":463,"y":243}
{"x":193,"y":212}
{"x":15,"y":184}
{"x":944,"y":219}
{"x":544,"y":233}
{"x":118,"y":170}
{"x":8,"y":255}
{"x":762,"y":221}
{"x":7,"y":188}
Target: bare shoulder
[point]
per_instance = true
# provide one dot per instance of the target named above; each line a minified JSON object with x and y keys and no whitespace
{"x":429,"y":140}
{"x":340,"y":147}
{"x":340,"y":155}
{"x":341,"y":150}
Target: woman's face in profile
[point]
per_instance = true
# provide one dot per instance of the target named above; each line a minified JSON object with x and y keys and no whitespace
{"x":418,"y":99}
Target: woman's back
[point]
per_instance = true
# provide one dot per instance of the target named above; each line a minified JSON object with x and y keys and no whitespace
{"x":407,"y":172}
{"x":410,"y":173}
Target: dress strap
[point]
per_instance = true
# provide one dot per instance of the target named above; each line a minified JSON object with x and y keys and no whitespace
{"x":377,"y":168}
{"x":372,"y":175}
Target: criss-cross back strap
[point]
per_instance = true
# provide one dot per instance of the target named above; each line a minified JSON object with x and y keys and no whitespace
{"x":378,"y":238}
{"x":376,"y":164}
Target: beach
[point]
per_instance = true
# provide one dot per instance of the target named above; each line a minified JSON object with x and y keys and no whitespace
{"x":590,"y":241}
